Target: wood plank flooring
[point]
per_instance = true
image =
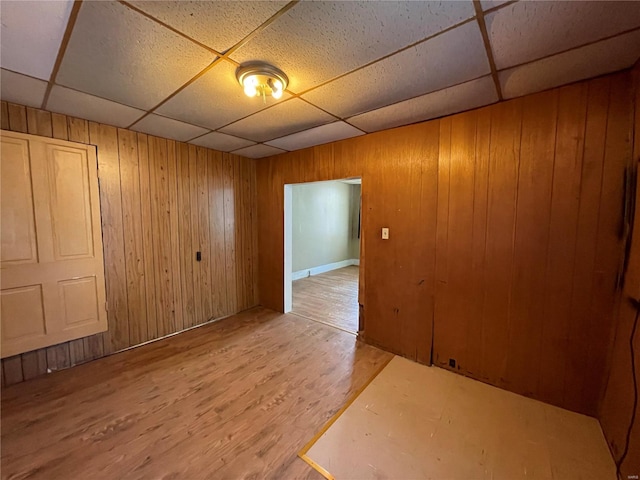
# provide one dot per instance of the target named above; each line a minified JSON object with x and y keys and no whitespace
{"x":233,"y":399}
{"x":330,"y":297}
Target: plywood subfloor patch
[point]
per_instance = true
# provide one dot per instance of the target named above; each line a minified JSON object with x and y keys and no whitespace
{"x":423,"y":422}
{"x":330,"y":298}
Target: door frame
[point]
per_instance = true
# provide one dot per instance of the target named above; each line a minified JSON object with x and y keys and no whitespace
{"x":288,"y":243}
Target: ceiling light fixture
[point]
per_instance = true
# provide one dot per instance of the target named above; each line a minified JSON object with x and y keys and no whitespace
{"x":261,"y":79}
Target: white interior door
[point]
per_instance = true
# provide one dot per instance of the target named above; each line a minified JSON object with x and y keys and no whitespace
{"x":52,"y":270}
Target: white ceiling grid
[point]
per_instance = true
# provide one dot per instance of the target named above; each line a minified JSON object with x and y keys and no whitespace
{"x":168,"y":68}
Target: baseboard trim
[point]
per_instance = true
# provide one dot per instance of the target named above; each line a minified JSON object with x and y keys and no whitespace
{"x":308,"y":272}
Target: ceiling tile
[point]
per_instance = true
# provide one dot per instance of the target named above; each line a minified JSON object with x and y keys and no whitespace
{"x":222,"y":142}
{"x":451,"y":100}
{"x":282,"y":119}
{"x":258,"y":151}
{"x":487,"y":4}
{"x":82,"y":105}
{"x":31,"y":35}
{"x":214,"y":100}
{"x":315,"y":136}
{"x":526,"y":31}
{"x":578,"y":64}
{"x":448,"y":59}
{"x":119,"y":54}
{"x":167,"y":128}
{"x":20,"y":89}
{"x":219,"y":25}
{"x":316,"y":41}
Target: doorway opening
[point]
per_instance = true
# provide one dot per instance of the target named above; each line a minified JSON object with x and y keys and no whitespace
{"x":322,"y":247}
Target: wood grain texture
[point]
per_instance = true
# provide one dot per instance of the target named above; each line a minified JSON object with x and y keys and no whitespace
{"x":257,"y":387}
{"x":149,"y":195}
{"x":132,"y":229}
{"x":616,"y":408}
{"x":504,"y":236}
{"x":218,"y":233}
{"x":105,"y":138}
{"x":330,"y":297}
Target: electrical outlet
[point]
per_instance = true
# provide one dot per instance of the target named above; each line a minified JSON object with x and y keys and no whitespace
{"x":385,"y":233}
{"x":452,"y":362}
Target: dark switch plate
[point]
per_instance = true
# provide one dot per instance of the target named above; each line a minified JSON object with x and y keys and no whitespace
{"x":198,"y":256}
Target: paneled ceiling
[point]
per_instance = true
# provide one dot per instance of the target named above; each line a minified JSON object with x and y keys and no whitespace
{"x":168,"y":67}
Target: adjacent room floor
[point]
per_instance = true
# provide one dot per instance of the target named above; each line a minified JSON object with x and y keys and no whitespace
{"x":330,"y":297}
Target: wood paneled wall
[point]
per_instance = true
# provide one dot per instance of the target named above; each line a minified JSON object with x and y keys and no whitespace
{"x":529,"y":240}
{"x":161,"y":201}
{"x":505,"y":236}
{"x":617,"y":405}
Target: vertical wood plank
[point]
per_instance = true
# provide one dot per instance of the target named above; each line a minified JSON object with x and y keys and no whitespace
{"x":58,"y":357}
{"x":322,"y":163}
{"x":161,"y":233}
{"x":586,"y":240}
{"x":18,"y":118}
{"x":528,"y":280}
{"x":195,"y":233}
{"x":39,"y":122}
{"x":270,"y":223}
{"x":34,"y":363}
{"x":177,"y":320}
{"x":608,"y":260}
{"x":5,"y":126}
{"x":255,"y":294}
{"x":245,"y":211}
{"x":94,"y":347}
{"x":133,"y":236}
{"x":78,"y":130}
{"x":76,"y":352}
{"x":202,"y":182}
{"x":503,"y":174}
{"x":479,"y":242}
{"x":59,"y":126}
{"x":440,"y":329}
{"x":146,"y":199}
{"x":217,"y":234}
{"x":187,"y":254}
{"x":239,"y":232}
{"x":230,"y":234}
{"x":12,"y":369}
{"x":106,"y":140}
{"x":565,"y":203}
{"x":454,"y":283}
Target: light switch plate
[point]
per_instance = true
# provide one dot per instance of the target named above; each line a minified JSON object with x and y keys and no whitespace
{"x":385,"y":233}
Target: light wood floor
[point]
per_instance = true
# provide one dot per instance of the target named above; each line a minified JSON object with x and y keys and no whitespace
{"x":234,"y":399}
{"x":330,"y":297}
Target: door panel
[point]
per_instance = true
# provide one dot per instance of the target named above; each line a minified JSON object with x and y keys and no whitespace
{"x":80,"y":300}
{"x":25,"y":302}
{"x":52,"y":204}
{"x":18,"y":227}
{"x":69,"y":202}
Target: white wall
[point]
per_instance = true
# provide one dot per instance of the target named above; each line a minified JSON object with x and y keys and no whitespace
{"x":354,"y":246}
{"x":322,"y":224}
